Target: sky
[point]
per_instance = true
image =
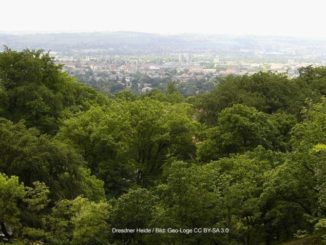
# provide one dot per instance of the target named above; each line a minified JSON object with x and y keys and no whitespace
{"x":236,"y":17}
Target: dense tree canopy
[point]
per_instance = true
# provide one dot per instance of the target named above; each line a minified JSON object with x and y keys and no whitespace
{"x":247,"y":158}
{"x":267,"y":92}
{"x":129,"y":142}
{"x":34,"y":89}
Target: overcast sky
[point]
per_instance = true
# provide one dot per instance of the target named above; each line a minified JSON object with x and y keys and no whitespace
{"x":239,"y":17}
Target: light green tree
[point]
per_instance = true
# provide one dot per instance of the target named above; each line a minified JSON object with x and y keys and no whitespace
{"x":11,"y":191}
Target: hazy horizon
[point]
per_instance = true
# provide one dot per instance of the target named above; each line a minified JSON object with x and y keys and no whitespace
{"x":201,"y":34}
{"x":225,"y":17}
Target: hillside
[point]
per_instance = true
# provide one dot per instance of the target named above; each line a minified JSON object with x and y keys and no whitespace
{"x":242,"y":164}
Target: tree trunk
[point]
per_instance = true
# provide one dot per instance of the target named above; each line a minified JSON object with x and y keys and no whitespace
{"x":4,"y":231}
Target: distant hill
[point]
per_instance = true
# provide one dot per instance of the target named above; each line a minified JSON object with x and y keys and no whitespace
{"x":132,"y":43}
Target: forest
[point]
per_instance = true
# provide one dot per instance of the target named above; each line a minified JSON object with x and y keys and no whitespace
{"x":247,"y":158}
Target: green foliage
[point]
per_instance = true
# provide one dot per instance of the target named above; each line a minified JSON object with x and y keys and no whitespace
{"x":102,"y":136}
{"x":220,"y":194}
{"x":10,"y":192}
{"x":3,"y":101}
{"x":312,"y":130}
{"x":90,"y":222}
{"x":79,"y":221}
{"x":34,"y":157}
{"x":283,"y":124}
{"x":35,"y":89}
{"x":129,"y":135}
{"x":160,"y":130}
{"x":266,"y":91}
{"x":37,"y":197}
{"x":133,"y":210}
{"x":239,"y":129}
{"x":90,"y":186}
{"x":294,"y":194}
{"x":314,"y":77}
{"x":74,"y":163}
{"x":180,"y":199}
{"x":320,"y":227}
{"x":35,"y":204}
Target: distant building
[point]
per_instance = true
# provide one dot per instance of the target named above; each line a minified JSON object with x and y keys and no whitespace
{"x":146,"y":89}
